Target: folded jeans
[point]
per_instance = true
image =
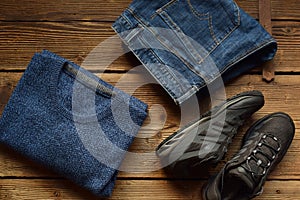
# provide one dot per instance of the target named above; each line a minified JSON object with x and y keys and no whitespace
{"x":189,"y":44}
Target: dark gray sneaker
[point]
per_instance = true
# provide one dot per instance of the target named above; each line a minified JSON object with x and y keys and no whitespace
{"x":264,"y":145}
{"x":205,"y":140}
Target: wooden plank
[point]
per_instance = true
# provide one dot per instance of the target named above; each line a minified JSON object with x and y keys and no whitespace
{"x":286,"y":90}
{"x":72,"y":40}
{"x":75,"y":40}
{"x":14,"y":165}
{"x":109,"y":10}
{"x":130,"y":190}
{"x":287,"y":33}
{"x":89,"y":10}
{"x":286,"y":10}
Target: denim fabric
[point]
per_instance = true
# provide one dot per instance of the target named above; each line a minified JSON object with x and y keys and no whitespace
{"x":188,"y":44}
{"x":84,"y":139}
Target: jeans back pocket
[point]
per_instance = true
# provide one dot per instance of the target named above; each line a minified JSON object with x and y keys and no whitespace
{"x":200,"y":26}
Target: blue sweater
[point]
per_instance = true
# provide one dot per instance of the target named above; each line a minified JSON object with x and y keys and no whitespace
{"x":69,"y":120}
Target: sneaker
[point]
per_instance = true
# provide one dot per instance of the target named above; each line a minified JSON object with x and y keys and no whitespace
{"x":264,"y":145}
{"x":205,"y":140}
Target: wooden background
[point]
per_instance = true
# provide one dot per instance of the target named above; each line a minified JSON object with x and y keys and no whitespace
{"x":72,"y":29}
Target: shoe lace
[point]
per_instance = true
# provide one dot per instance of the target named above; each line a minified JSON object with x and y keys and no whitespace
{"x":262,"y":156}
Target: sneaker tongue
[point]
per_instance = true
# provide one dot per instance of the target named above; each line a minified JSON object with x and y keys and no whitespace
{"x":241,"y":174}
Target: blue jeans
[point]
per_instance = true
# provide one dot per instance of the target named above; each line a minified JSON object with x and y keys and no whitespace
{"x":188,"y":44}
{"x":72,"y":122}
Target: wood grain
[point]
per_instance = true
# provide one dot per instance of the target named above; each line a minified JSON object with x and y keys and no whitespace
{"x":75,"y":40}
{"x":130,"y":189}
{"x":109,"y":10}
{"x":89,"y":10}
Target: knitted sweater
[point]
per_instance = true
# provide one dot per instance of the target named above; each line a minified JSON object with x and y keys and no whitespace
{"x":69,"y":120}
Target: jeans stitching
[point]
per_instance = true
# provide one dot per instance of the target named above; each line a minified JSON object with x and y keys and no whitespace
{"x":178,"y":56}
{"x":167,"y":70}
{"x":237,"y":60}
{"x":247,"y":53}
{"x":172,"y":50}
{"x":170,"y":3}
{"x":215,"y":46}
{"x":186,"y":43}
{"x":139,"y":19}
{"x":210,"y":25}
{"x":236,"y":9}
{"x":196,"y":56}
{"x":173,"y":95}
{"x":178,"y":82}
{"x":127,"y":21}
{"x":201,"y":16}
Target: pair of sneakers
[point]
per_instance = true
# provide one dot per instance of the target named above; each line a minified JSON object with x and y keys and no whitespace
{"x":205,"y":141}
